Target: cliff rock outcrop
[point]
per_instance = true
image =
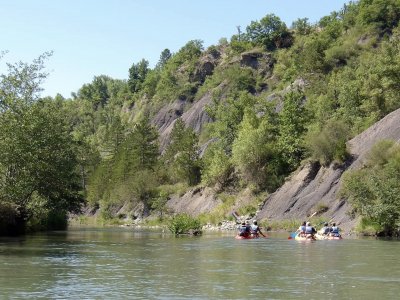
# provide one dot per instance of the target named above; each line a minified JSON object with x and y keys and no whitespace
{"x":313,"y":186}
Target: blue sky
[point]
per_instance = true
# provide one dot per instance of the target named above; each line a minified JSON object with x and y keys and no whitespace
{"x":104,"y":37}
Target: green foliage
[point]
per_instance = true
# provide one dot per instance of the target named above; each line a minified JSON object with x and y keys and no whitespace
{"x":292,"y":122}
{"x":217,"y":166}
{"x":159,"y":204}
{"x":228,"y":114}
{"x":269,"y":32}
{"x":368,"y":227}
{"x":137,"y":75}
{"x":130,"y":176}
{"x":38,"y":158}
{"x":164,"y":57}
{"x":329,"y":143}
{"x":182,"y":154}
{"x":96,"y":92}
{"x":176,"y":80}
{"x":374,"y":191}
{"x":233,"y":78}
{"x":384,"y":14}
{"x":302,"y":26}
{"x":254,"y":151}
{"x":183,"y":223}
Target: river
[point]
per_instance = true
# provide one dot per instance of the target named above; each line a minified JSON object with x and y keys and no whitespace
{"x":119,"y":263}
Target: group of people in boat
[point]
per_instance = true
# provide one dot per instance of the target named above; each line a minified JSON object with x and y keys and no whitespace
{"x":250,"y":231}
{"x":308,"y":231}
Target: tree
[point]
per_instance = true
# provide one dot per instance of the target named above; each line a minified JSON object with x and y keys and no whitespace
{"x":39,"y":172}
{"x":139,"y":151}
{"x":302,"y":26}
{"x":374,"y":190}
{"x":269,"y":32}
{"x":228,"y":114}
{"x":292,"y":120}
{"x":164,"y":57}
{"x":182,"y":154}
{"x":329,"y":143}
{"x":137,"y":75}
{"x":384,"y":14}
{"x":217,"y":166}
{"x":254,"y":152}
{"x":143,"y":143}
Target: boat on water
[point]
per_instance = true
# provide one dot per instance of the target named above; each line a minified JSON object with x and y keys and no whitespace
{"x":248,"y":237}
{"x":305,"y":238}
{"x":327,"y":237}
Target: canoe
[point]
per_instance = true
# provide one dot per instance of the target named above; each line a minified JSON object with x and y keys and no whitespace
{"x":303,"y":238}
{"x":327,"y":237}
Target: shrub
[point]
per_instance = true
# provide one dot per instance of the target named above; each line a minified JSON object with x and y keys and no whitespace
{"x":183,"y":223}
{"x":329,"y":144}
{"x":374,"y":190}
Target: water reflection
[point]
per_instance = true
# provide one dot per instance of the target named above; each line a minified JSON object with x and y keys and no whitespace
{"x":125,"y":264}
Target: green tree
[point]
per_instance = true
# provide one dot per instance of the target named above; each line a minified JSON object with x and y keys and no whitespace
{"x":254,"y":152}
{"x":137,"y":75}
{"x":374,"y":190}
{"x":228,"y":114}
{"x":302,"y":26}
{"x":182,"y":154}
{"x":217,"y":166}
{"x":329,"y":143}
{"x":269,"y":32}
{"x":38,"y":165}
{"x":139,"y":151}
{"x":292,"y":121}
{"x":164,"y":57}
{"x":384,"y":14}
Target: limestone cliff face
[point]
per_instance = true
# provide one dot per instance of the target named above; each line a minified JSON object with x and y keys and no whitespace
{"x":312,"y":185}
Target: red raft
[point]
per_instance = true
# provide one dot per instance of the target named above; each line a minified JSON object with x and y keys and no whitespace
{"x":248,"y":237}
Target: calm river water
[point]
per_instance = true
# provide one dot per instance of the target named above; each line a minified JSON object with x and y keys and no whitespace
{"x":120,"y":263}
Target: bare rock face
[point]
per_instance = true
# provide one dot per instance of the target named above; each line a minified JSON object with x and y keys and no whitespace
{"x":194,"y":202}
{"x":313,"y":187}
{"x":256,"y":60}
{"x":195,"y":117}
{"x":167,"y":114}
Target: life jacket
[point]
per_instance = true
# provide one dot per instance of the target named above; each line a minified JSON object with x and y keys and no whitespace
{"x":244,"y":230}
{"x":335,"y":230}
{"x":302,"y":229}
{"x":254,"y":228}
{"x":309,"y":230}
{"x":325,"y":230}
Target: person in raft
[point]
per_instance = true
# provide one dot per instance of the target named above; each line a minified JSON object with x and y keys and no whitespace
{"x":310,"y":230}
{"x":255,"y":229}
{"x":324,"y":230}
{"x":244,"y":229}
{"x":302,"y":229}
{"x":334,"y":230}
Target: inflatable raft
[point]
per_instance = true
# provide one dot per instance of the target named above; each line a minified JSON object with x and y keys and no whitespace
{"x":327,"y":237}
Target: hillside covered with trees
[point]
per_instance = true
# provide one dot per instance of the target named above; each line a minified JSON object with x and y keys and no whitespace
{"x":240,"y":115}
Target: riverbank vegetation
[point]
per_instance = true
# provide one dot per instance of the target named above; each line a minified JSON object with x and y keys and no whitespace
{"x":277,"y":96}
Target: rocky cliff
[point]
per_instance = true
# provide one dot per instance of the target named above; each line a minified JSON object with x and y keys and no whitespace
{"x":313,"y":186}
{"x":310,"y":188}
